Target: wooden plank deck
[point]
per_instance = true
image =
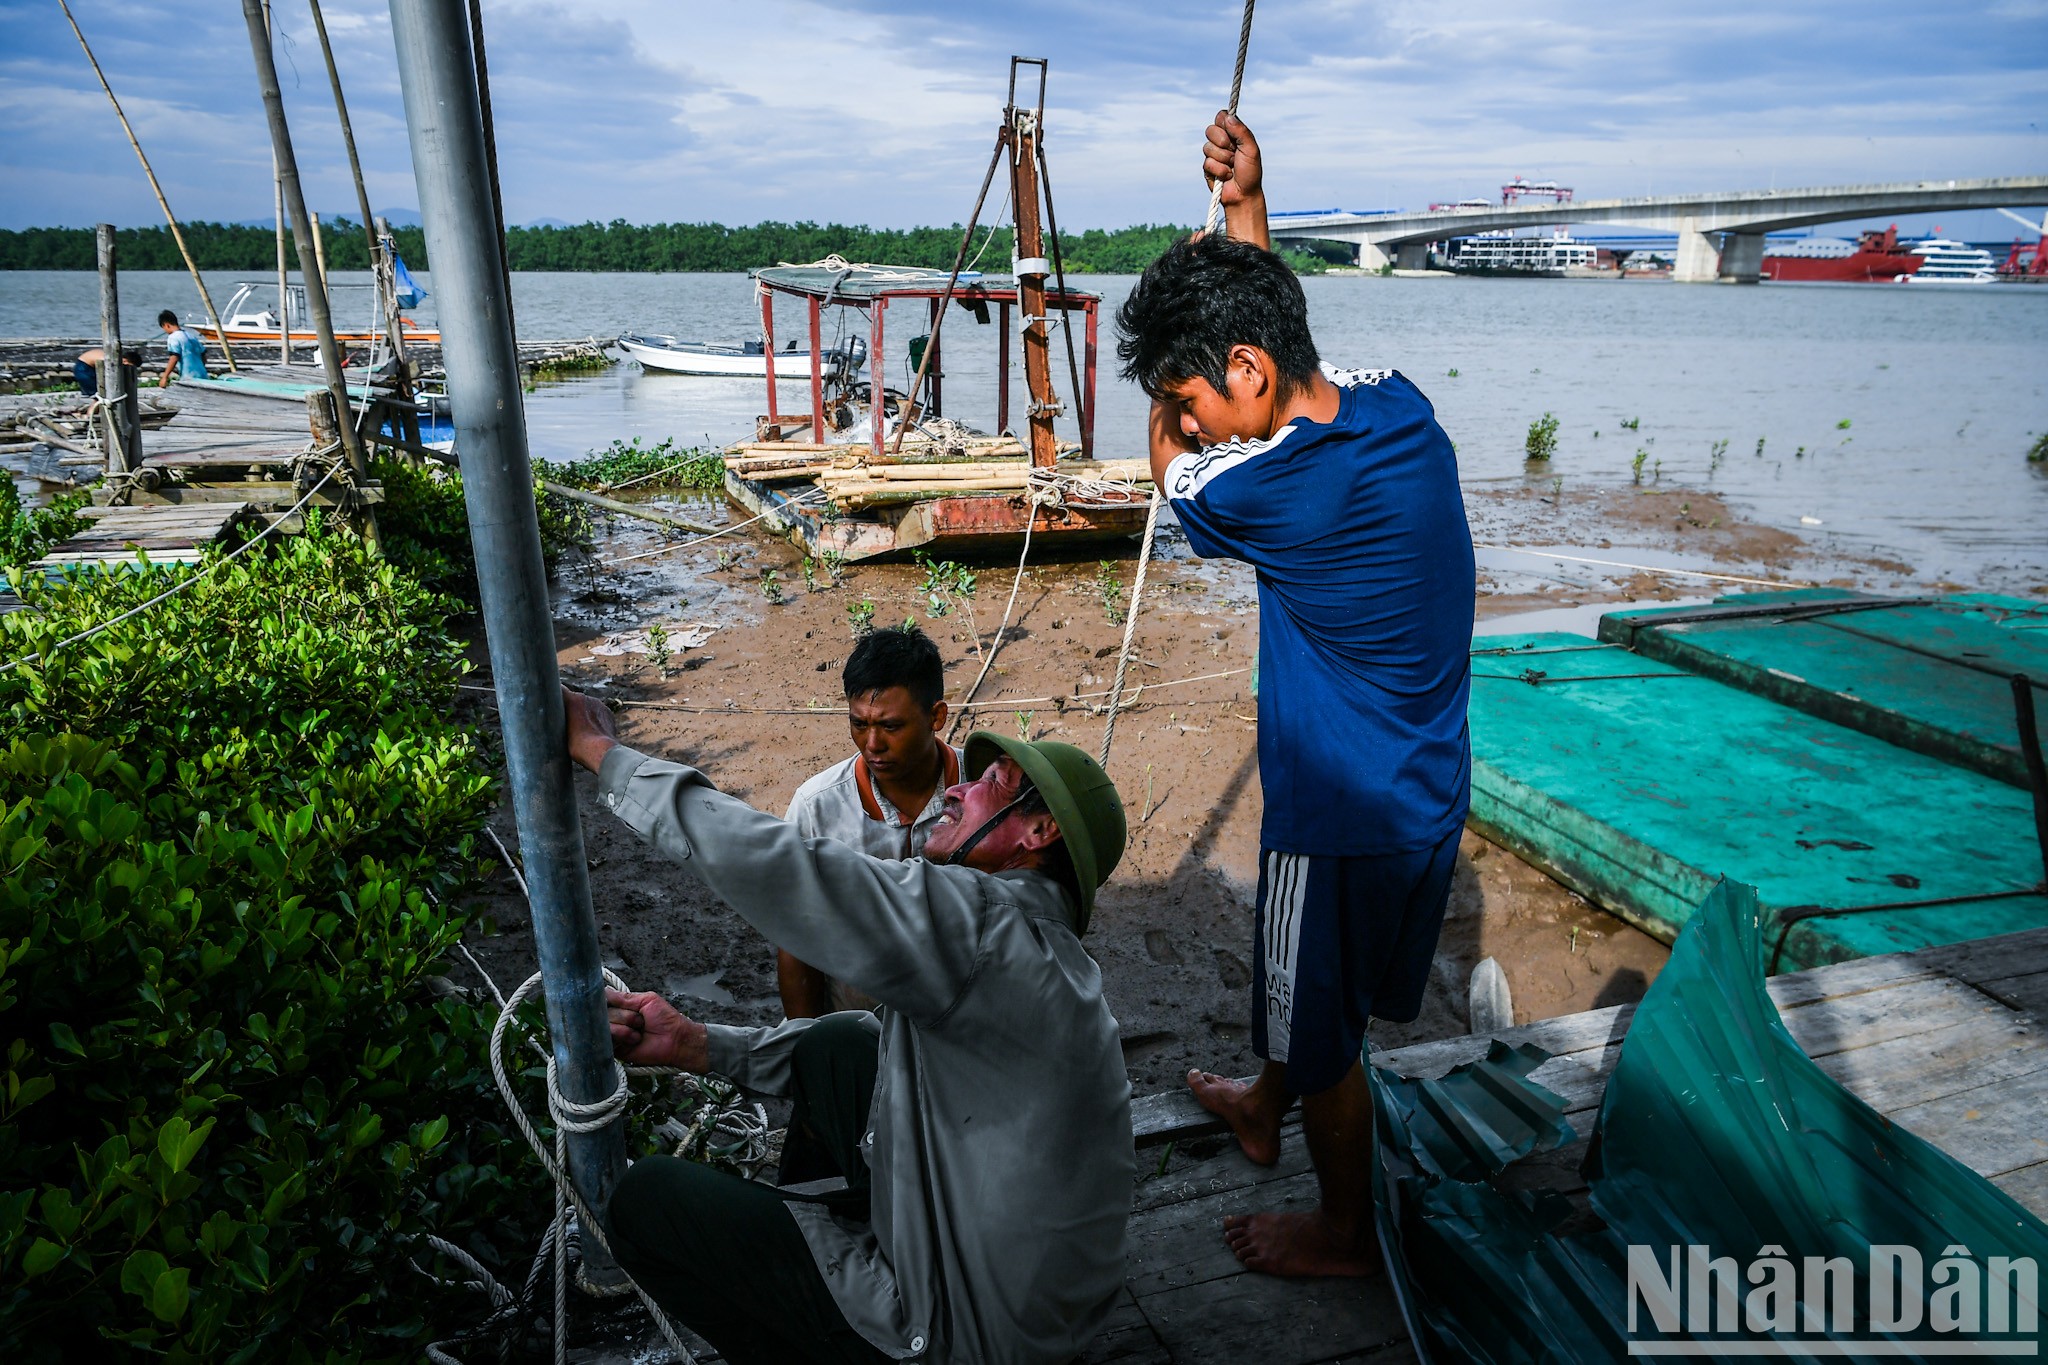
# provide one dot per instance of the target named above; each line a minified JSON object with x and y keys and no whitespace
{"x":169,"y":535}
{"x":1949,"y":1042}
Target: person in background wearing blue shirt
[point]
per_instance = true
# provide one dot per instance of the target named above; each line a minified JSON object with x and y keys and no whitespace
{"x":187,"y":359}
{"x":1341,"y":490}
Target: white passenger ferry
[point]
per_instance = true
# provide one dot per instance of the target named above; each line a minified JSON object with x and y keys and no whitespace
{"x":1503,"y":253}
{"x":1946,"y":262}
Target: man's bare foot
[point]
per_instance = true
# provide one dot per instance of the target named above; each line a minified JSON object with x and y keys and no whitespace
{"x":1298,"y":1245}
{"x":1239,"y":1105}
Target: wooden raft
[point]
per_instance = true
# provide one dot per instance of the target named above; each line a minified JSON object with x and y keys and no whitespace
{"x":1950,"y":1043}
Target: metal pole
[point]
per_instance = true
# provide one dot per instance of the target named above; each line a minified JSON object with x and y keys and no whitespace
{"x":177,"y":234}
{"x":445,"y":123}
{"x":113,"y":373}
{"x":302,"y":237}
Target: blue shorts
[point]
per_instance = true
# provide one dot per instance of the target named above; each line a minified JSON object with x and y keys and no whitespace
{"x":1339,"y":941}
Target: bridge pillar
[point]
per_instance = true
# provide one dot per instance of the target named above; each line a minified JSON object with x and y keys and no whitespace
{"x":1699,"y":255}
{"x":1412,"y":256}
{"x":1742,"y":257}
{"x":1372,"y":257}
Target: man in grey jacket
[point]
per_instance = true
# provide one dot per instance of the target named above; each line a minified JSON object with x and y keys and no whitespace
{"x":981,"y":1120}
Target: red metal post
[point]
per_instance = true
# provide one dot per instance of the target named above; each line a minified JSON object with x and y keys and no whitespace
{"x":1088,"y":387}
{"x":878,"y":372}
{"x":1003,"y":367}
{"x":768,"y":345}
{"x":936,"y":374}
{"x":817,"y":379}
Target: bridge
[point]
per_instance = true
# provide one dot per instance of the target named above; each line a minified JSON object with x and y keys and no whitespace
{"x":1720,"y":236}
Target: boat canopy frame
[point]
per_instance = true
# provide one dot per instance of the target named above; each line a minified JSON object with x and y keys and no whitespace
{"x":873,"y":289}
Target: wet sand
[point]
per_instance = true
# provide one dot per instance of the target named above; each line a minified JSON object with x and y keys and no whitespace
{"x":757,"y":706}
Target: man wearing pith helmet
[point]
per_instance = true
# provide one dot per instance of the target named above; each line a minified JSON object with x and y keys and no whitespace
{"x":979,"y":1120}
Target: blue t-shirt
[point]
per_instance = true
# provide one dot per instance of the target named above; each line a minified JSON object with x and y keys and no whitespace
{"x":190,"y":350}
{"x":1357,"y":530}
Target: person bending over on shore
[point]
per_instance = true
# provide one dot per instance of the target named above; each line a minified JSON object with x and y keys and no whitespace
{"x":1341,"y":490}
{"x":187,"y":358}
{"x":85,"y":370}
{"x":981,"y":1118}
{"x":886,"y":798}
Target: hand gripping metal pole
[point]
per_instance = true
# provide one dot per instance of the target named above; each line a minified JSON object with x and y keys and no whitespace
{"x":445,"y":122}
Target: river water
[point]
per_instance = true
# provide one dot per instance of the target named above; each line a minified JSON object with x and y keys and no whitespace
{"x":1875,"y":419}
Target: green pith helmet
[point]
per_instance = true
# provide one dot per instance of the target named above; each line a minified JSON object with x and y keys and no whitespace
{"x":1080,"y":796}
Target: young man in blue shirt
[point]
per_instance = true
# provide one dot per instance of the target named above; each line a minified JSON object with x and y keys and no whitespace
{"x":187,"y":353}
{"x":1341,"y":490}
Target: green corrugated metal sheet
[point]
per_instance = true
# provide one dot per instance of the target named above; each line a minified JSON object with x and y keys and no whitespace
{"x":1640,"y":785}
{"x":1716,"y":1132}
{"x":1930,"y":675}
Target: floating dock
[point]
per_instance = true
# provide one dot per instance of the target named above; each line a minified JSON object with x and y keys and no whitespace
{"x":1828,"y":775}
{"x":1930,"y":674}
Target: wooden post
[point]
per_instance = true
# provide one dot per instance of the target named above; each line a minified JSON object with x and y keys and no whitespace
{"x":1043,"y":442}
{"x":319,"y":252}
{"x":114,"y":380}
{"x":817,"y":374}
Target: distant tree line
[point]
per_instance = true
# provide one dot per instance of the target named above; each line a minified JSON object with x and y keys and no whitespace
{"x":617,"y":245}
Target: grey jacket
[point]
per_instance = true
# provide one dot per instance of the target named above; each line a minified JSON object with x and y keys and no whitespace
{"x":1000,"y":1137}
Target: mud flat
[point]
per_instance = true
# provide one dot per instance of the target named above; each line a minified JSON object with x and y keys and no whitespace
{"x":757,"y":706}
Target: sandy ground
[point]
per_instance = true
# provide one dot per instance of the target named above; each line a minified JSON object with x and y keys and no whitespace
{"x":757,"y":707}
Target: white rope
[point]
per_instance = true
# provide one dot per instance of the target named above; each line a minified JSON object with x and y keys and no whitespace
{"x":811,"y":498}
{"x":1645,"y":568}
{"x":569,"y":1117}
{"x":175,"y":589}
{"x":1123,"y":658}
{"x":1031,"y":504}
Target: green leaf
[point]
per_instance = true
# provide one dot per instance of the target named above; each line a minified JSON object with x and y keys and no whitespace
{"x":170,"y":1295}
{"x":63,"y":1037}
{"x":432,"y":1131}
{"x":140,"y":1272}
{"x":43,"y":1255}
{"x":170,"y":1140}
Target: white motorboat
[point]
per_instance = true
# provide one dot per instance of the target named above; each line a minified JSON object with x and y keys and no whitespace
{"x":746,"y":360}
{"x":1946,"y":262}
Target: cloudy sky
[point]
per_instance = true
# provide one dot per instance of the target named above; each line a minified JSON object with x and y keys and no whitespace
{"x":883,"y":111}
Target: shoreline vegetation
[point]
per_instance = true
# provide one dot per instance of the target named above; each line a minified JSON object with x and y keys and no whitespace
{"x":241,"y":833}
{"x":618,"y":246}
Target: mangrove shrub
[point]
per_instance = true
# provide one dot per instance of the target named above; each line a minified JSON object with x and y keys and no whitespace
{"x":233,"y":834}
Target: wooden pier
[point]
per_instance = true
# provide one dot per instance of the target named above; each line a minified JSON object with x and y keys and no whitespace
{"x":1951,"y":1043}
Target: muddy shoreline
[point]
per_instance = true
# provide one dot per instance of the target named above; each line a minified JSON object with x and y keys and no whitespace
{"x":756,"y":705}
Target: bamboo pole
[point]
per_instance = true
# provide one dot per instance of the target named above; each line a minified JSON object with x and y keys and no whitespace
{"x":177,"y":234}
{"x":253,"y":11}
{"x":627,"y":509}
{"x":348,"y":141}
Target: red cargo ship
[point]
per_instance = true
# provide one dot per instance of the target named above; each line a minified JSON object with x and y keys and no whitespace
{"x":1873,"y":256}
